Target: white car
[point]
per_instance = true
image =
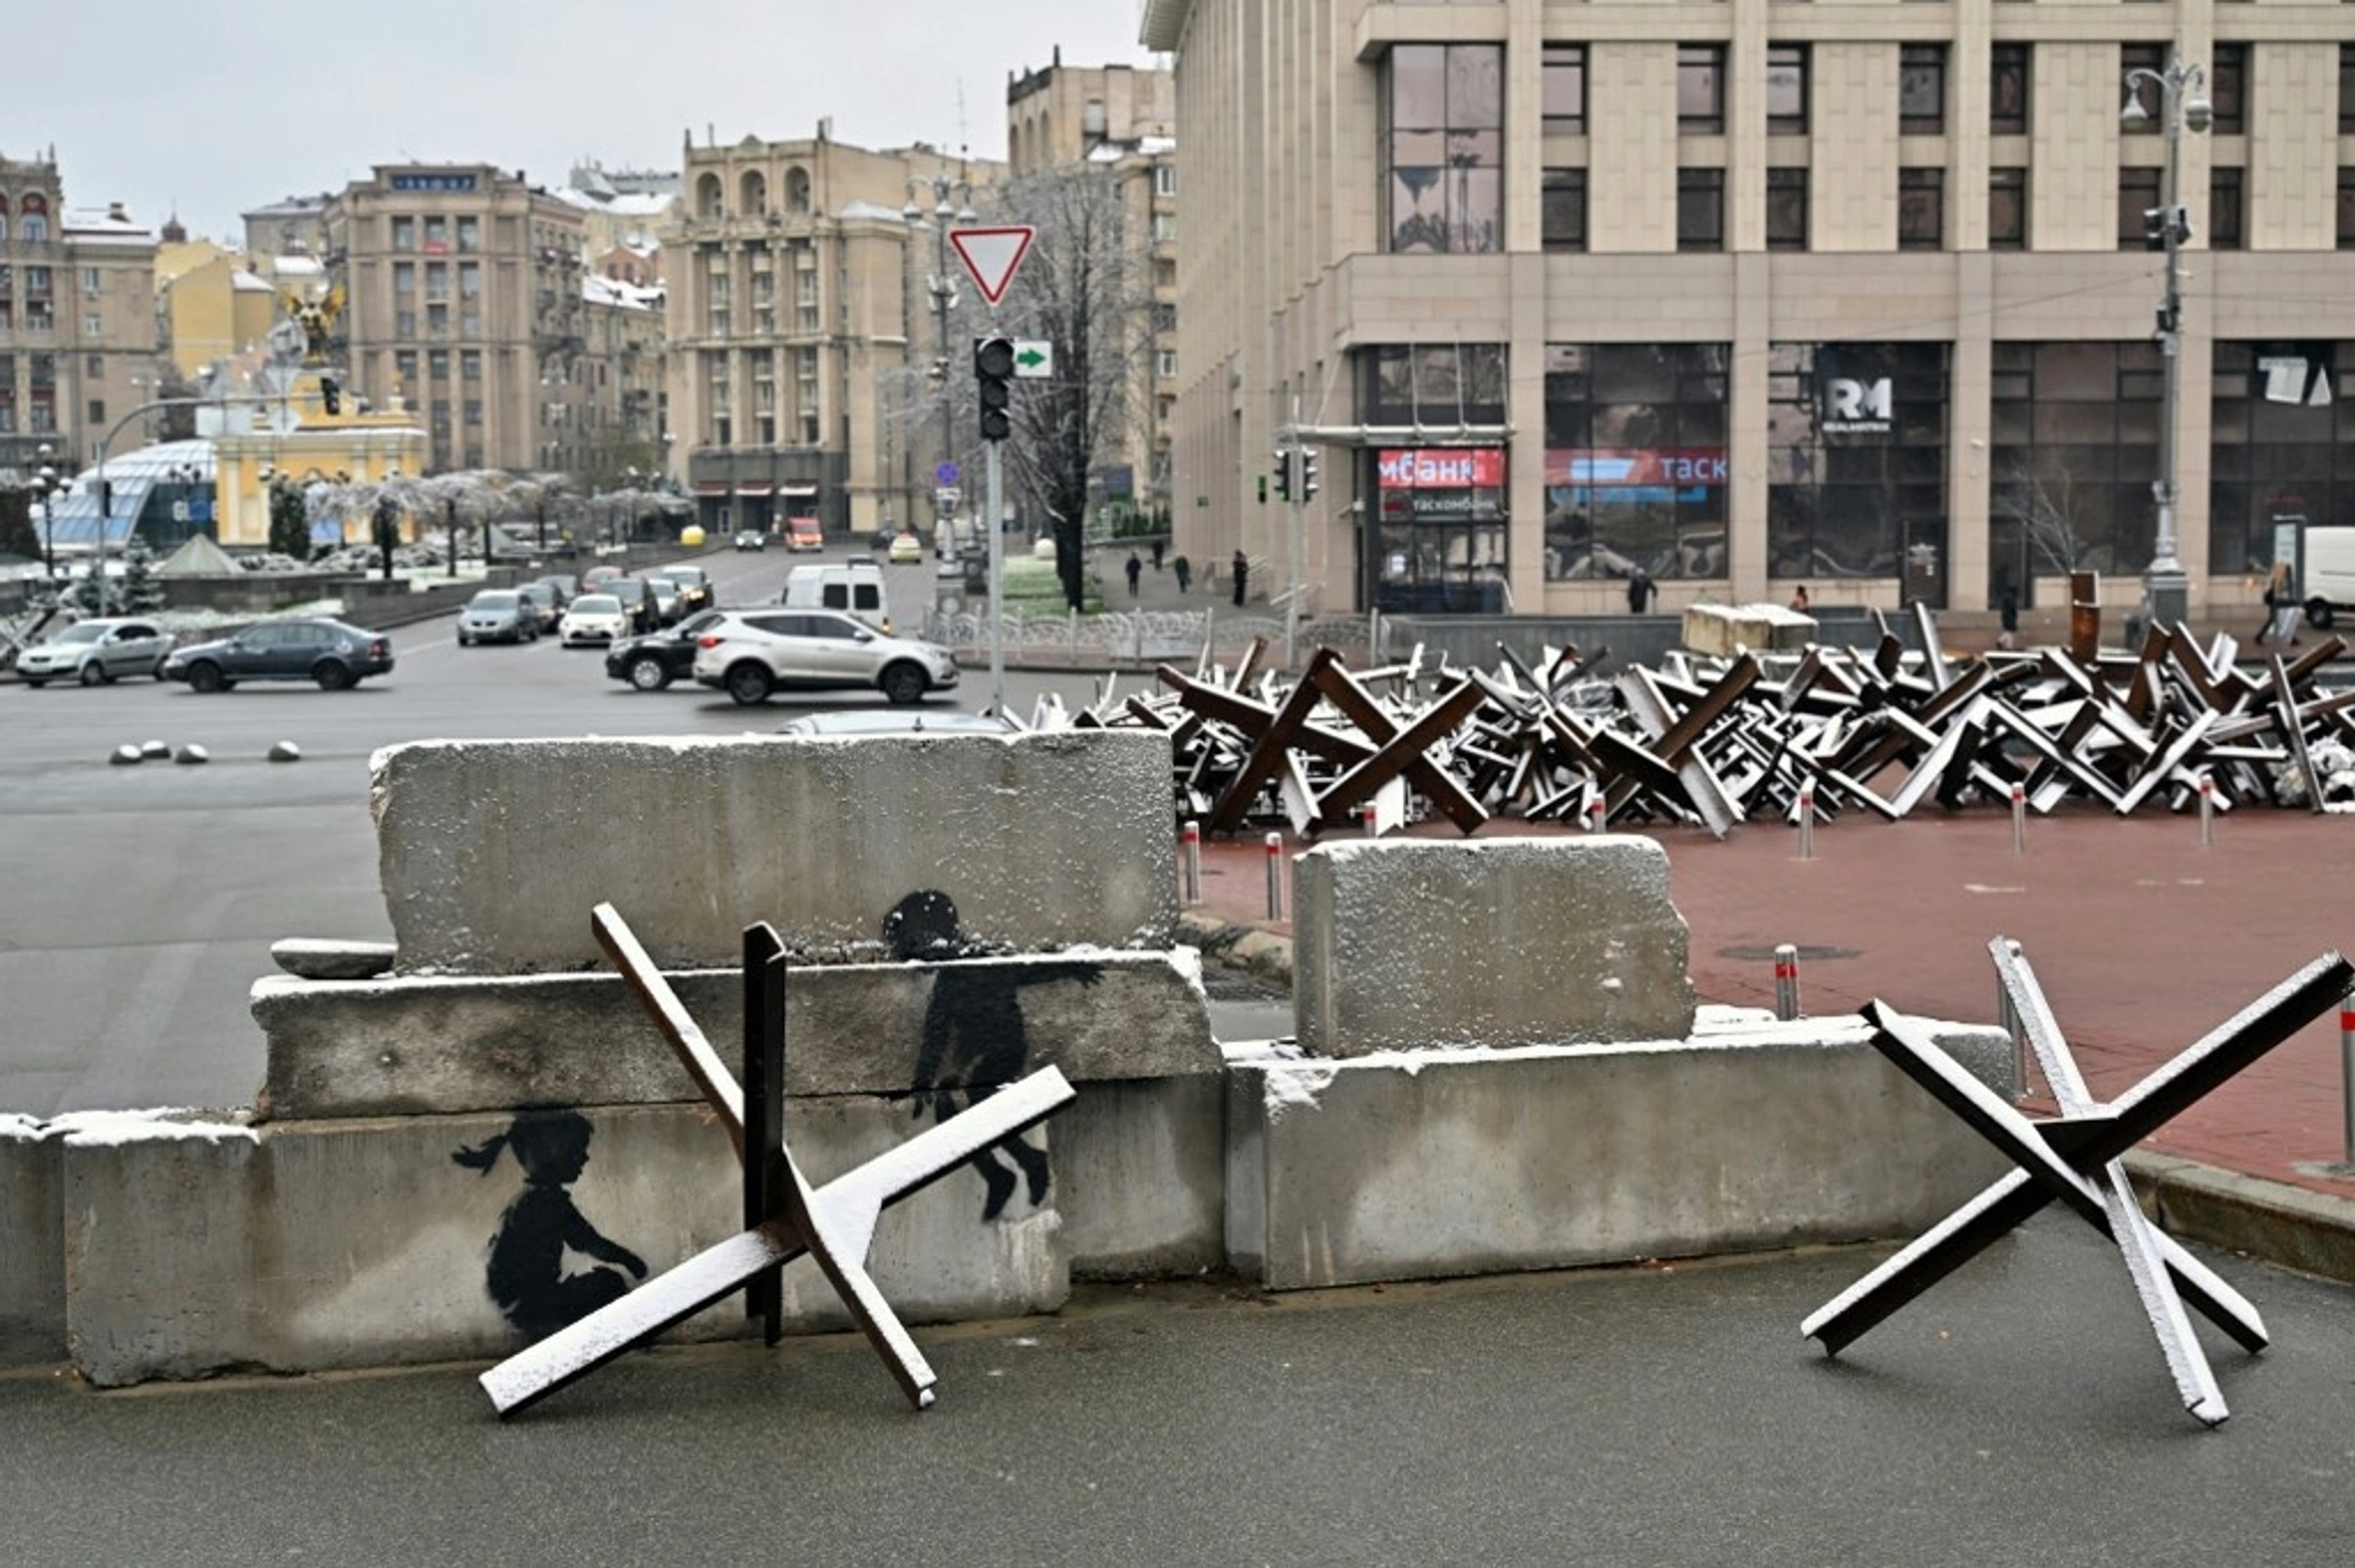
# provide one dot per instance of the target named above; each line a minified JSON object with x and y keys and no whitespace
{"x":750,"y":653}
{"x":596,"y":618}
{"x":96,"y":651}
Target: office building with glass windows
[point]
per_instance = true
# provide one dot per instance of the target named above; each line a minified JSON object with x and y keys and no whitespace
{"x":1865,"y":296}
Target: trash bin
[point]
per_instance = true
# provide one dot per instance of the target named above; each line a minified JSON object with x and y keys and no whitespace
{"x":2085,"y":616}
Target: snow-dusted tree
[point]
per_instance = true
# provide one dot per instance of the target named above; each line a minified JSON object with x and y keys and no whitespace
{"x":290,"y":520}
{"x":1086,"y":288}
{"x":539,"y":497}
{"x":139,"y":593}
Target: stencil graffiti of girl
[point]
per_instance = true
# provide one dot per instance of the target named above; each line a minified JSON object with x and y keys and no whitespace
{"x":526,"y":1275}
{"x":975,"y":1041}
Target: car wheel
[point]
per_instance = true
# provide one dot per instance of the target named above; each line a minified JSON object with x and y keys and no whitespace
{"x":36,"y":681}
{"x":648,"y":674}
{"x":158,"y":672}
{"x":750,"y":684}
{"x":206,"y":677}
{"x":93,"y":672}
{"x":2318,"y":614}
{"x":905,"y":683}
{"x":331,"y":676}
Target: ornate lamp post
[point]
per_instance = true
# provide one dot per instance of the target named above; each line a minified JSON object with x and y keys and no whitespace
{"x":48,"y":484}
{"x":942,"y":286}
{"x":2167,"y":587}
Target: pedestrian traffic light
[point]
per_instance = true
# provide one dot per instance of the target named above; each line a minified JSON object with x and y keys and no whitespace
{"x":993,"y":378}
{"x":330,"y":394}
{"x":1283,"y":473}
{"x":1307,"y":475}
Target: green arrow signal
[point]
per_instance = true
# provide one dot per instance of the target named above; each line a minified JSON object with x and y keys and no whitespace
{"x":1029,"y":359}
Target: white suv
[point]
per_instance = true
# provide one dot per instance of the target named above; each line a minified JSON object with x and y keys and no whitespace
{"x":751,"y":653}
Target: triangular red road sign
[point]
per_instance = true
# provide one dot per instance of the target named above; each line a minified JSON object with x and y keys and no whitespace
{"x":991,"y":256}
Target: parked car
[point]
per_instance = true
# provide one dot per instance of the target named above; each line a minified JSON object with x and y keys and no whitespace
{"x":651,"y":663}
{"x":336,"y":655}
{"x":541,"y":600}
{"x":96,"y":651}
{"x":907,"y":549}
{"x":751,"y":653}
{"x":695,"y":587}
{"x":751,"y":539}
{"x":596,"y":618}
{"x":498,"y":615}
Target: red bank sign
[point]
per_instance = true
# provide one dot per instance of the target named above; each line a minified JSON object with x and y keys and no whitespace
{"x":1444,"y":468}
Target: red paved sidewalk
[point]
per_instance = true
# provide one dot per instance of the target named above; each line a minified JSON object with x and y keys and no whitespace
{"x":2142,"y":939}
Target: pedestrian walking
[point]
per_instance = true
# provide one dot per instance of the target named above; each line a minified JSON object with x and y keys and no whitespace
{"x":1241,"y":570}
{"x":2007,"y":607}
{"x":1158,"y":546}
{"x":1798,"y":599}
{"x":1185,"y":570}
{"x":1639,"y":591}
{"x":2281,"y":606}
{"x":1135,"y":569}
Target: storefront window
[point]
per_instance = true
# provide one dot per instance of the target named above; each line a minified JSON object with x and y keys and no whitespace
{"x":1444,"y":143}
{"x":2283,"y":450}
{"x":2075,"y":445}
{"x":1438,"y":542}
{"x":1856,"y":442}
{"x":1635,"y":459}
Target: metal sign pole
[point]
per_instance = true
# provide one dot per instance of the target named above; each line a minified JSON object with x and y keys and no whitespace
{"x":994,"y":521}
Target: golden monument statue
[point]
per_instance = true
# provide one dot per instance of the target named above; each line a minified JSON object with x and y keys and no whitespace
{"x":314,"y":315}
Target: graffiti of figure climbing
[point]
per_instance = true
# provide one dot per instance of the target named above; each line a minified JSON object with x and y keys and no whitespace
{"x":975,"y":1043}
{"x":527,"y":1275}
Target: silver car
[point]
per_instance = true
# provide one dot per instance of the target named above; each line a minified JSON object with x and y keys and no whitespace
{"x":98,"y":651}
{"x":498,"y":615}
{"x":751,"y":653}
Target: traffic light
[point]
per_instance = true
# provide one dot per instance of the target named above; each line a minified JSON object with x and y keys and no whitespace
{"x":2158,"y":221}
{"x":1283,"y":473}
{"x":1307,"y":474}
{"x":330,"y":394}
{"x":994,"y":377}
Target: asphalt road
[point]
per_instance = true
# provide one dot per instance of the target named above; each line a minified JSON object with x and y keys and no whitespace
{"x":2019,"y":1413}
{"x":138,"y":904}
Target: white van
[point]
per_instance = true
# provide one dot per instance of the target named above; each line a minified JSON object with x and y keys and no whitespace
{"x":2329,"y":590}
{"x":855,"y":585}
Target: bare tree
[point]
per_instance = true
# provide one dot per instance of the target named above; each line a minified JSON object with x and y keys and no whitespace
{"x":2043,"y":504}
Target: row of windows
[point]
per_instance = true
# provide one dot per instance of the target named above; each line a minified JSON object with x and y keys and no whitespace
{"x":1921,"y":209}
{"x":43,"y":368}
{"x":442,"y":231}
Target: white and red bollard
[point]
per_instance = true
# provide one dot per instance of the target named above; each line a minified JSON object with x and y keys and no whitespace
{"x":1786,"y":982}
{"x":1275,"y":876}
{"x":1807,"y":823}
{"x":1369,"y":819}
{"x":1190,"y":863}
{"x":2207,"y":811}
{"x":2346,"y":1071}
{"x":1594,"y":813}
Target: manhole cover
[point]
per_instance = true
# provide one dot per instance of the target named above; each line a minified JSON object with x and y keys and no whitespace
{"x":1766,"y":955}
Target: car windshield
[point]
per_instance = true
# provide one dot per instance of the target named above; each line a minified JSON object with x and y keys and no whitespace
{"x":596,"y":604}
{"x":493,"y":602}
{"x":85,"y":632}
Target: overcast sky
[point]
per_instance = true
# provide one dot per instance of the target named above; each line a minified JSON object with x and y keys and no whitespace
{"x":210,"y":110}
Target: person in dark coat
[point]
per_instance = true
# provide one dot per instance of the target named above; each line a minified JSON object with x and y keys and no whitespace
{"x":1639,"y":591}
{"x":1184,"y":570}
{"x":1241,"y":568}
{"x":1135,"y":568}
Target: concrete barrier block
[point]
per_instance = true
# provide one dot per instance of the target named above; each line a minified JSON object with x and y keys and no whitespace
{"x":1723,"y":630}
{"x":1409,"y":944}
{"x":493,"y":853}
{"x":422,"y":1045}
{"x":1141,"y":1176}
{"x":1424,"y":1165}
{"x":310,"y":1246}
{"x":32,"y":1244}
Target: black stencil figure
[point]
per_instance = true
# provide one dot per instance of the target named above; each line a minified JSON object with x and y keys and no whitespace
{"x":975,"y":1043}
{"x":526,"y":1275}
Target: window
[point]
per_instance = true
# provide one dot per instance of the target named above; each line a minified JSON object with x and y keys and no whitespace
{"x":1164,"y":227}
{"x":97,"y":410}
{"x":1922,"y":89}
{"x":404,"y":368}
{"x":2151,"y":58}
{"x":1563,"y":89}
{"x":2008,"y":208}
{"x":93,"y":324}
{"x":2138,"y":193}
{"x":469,"y":234}
{"x":2346,"y":209}
{"x":470,"y":364}
{"x":437,"y":283}
{"x":2228,"y":88}
{"x":404,"y":324}
{"x":1855,"y":456}
{"x":1164,"y":179}
{"x":1701,"y":89}
{"x":1787,"y":209}
{"x":437,"y":233}
{"x":94,"y":366}
{"x":2007,"y":99}
{"x":1635,"y":459}
{"x":403,"y":278}
{"x":2226,"y":203}
{"x":474,"y":412}
{"x":2276,"y":450}
{"x":403,"y":234}
{"x":1921,"y":209}
{"x":437,"y":320}
{"x":93,"y":282}
{"x":1562,"y":209}
{"x":35,"y":229}
{"x":2347,"y":89}
{"x":1786,"y":89}
{"x":1443,"y":138}
{"x":1700,"y":209}
{"x":470,"y":280}
{"x":439,"y":361}
{"x":2074,"y":445}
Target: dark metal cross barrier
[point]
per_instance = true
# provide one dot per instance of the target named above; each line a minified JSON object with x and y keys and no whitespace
{"x":783,"y":1216}
{"x":2075,"y":1158}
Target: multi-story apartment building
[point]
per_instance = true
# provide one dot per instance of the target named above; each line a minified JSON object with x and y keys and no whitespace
{"x":797,"y":302}
{"x":1750,"y":293}
{"x":77,"y":319}
{"x":465,"y":298}
{"x":1122,"y":121}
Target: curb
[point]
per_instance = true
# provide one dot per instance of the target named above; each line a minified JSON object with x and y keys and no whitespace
{"x":2291,"y":1227}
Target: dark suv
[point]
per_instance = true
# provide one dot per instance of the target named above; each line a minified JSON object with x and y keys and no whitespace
{"x":335,"y":655}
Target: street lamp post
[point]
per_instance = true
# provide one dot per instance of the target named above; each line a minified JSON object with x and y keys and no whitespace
{"x":2167,"y":587}
{"x":942,"y":286}
{"x":47,"y":482}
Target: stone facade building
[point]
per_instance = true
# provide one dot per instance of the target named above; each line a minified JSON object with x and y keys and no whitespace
{"x":1749,"y":295}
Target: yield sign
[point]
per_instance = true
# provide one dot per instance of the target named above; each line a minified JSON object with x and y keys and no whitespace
{"x":991,"y":256}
